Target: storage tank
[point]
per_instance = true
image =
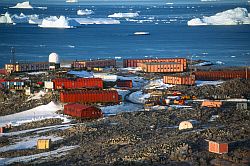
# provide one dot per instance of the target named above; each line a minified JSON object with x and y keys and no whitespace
{"x":54,"y":62}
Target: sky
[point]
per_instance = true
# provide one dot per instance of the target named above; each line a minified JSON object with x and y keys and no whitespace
{"x":124,"y":1}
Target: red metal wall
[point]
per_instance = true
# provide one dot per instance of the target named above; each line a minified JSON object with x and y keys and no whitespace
{"x":221,"y":75}
{"x":88,"y":83}
{"x":90,"y":96}
{"x":124,"y":83}
{"x":82,"y":111}
{"x":134,"y":62}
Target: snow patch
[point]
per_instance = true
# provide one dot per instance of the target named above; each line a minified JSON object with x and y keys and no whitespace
{"x":23,"y":5}
{"x":124,"y":107}
{"x":235,"y":16}
{"x":83,"y":74}
{"x":202,"y":83}
{"x":157,"y":84}
{"x":138,"y":97}
{"x":27,"y":143}
{"x":34,"y":114}
{"x":55,"y":153}
{"x":123,"y":15}
{"x":61,"y":22}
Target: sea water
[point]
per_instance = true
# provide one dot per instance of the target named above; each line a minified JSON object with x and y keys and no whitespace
{"x":169,"y":34}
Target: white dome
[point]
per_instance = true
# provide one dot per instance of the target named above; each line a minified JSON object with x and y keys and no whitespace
{"x":54,"y":58}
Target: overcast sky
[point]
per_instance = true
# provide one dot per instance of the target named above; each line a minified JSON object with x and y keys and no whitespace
{"x":124,"y":1}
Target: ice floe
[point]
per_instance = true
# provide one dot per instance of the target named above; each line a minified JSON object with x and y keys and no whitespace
{"x":235,"y":16}
{"x":23,"y":5}
{"x":84,"y":12}
{"x":125,"y":15}
{"x":97,"y":21}
{"x":61,"y":22}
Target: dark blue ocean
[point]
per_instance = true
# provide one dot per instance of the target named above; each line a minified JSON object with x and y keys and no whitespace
{"x":167,"y":24}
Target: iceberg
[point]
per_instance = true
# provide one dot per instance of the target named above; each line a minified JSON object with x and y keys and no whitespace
{"x":125,"y":15}
{"x":6,"y":19}
{"x":61,"y":22}
{"x":235,"y":16}
{"x":96,"y":21}
{"x":84,"y":12}
{"x":71,"y":1}
{"x":23,"y":5}
{"x":141,"y":33}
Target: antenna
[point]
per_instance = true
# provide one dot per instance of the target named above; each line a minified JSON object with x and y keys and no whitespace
{"x":13,"y":55}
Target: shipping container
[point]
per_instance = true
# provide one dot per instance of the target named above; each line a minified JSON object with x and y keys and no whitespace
{"x":90,"y":96}
{"x":43,"y":144}
{"x":222,"y":75}
{"x":179,"y":80}
{"x":82,"y":111}
{"x":79,"y":83}
{"x":217,"y":147}
{"x":124,"y":83}
{"x":211,"y":104}
{"x":135,"y":62}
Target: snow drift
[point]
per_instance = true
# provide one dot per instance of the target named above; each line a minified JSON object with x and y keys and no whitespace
{"x":96,"y":21}
{"x":235,"y":16}
{"x":121,"y":15}
{"x":23,"y":5}
{"x":6,"y":19}
{"x":37,"y":113}
{"x":61,"y":22}
{"x":84,"y":12}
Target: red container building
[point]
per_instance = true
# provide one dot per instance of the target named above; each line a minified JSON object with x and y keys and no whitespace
{"x":217,"y":147}
{"x":135,"y":62}
{"x":179,"y":80}
{"x":82,"y":64}
{"x":161,"y":67}
{"x":82,"y":111}
{"x":90,"y":96}
{"x":222,"y":75}
{"x":124,"y":83}
{"x":79,"y":83}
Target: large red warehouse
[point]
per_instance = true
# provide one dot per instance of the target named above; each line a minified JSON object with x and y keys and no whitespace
{"x":79,"y":83}
{"x":82,"y":111}
{"x":90,"y":96}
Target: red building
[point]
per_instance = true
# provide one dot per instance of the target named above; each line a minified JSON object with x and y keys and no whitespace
{"x":179,"y":80}
{"x":82,"y":111}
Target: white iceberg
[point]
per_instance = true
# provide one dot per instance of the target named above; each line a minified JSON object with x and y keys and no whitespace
{"x":6,"y":19}
{"x":141,"y":33}
{"x":61,"y":22}
{"x":96,"y":21}
{"x":23,"y":5}
{"x":84,"y":12}
{"x":71,"y":1}
{"x":121,"y":15}
{"x":235,"y":16}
